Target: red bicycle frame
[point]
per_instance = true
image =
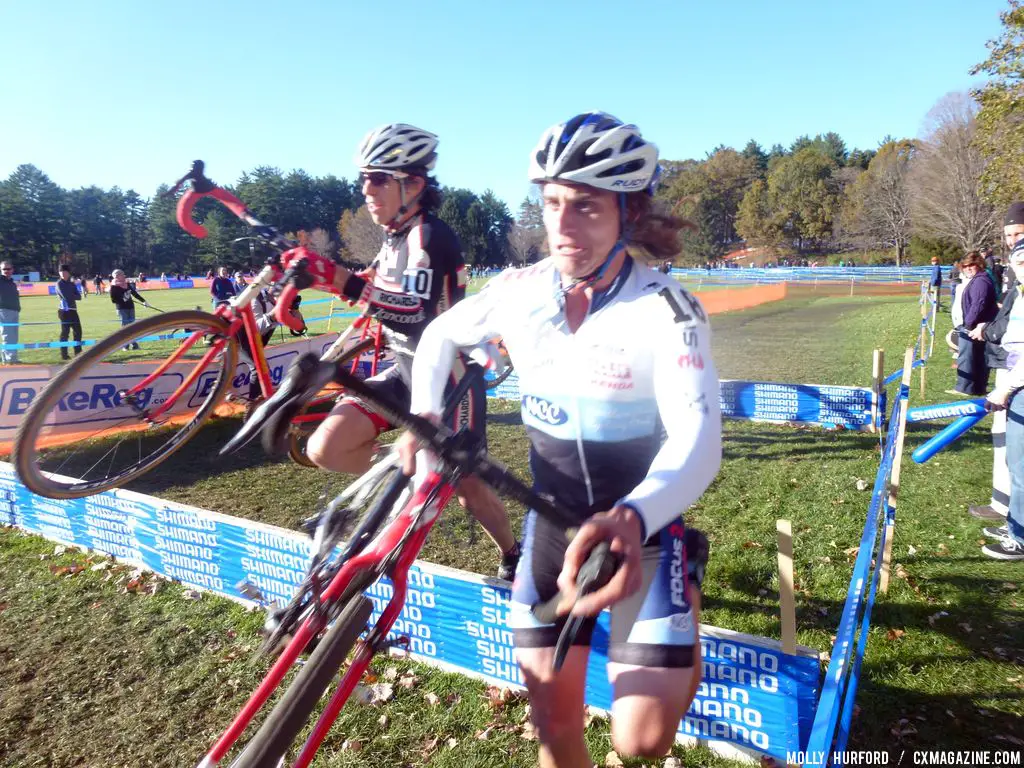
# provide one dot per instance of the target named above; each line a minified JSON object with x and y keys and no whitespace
{"x":404,"y":535}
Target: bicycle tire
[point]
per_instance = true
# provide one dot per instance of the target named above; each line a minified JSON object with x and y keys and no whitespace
{"x":289,"y":716}
{"x":299,"y":434}
{"x":26,"y":442}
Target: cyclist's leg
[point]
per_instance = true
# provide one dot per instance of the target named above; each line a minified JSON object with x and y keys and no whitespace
{"x":347,"y":439}
{"x":654,"y":650}
{"x":556,"y":700}
{"x":475,"y":495}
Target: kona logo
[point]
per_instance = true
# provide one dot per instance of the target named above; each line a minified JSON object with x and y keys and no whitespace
{"x":100,"y":395}
{"x":631,"y":184}
{"x":544,"y":411}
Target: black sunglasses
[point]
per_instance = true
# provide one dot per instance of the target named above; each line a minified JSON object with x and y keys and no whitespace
{"x":376,"y":178}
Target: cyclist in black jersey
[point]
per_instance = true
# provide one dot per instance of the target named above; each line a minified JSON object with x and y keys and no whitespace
{"x":417,"y":275}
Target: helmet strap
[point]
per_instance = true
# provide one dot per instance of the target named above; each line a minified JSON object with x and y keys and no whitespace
{"x":400,"y":217}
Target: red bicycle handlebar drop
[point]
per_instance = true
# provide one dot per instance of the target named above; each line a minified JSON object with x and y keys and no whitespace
{"x":283,"y":308}
{"x":188,"y":202}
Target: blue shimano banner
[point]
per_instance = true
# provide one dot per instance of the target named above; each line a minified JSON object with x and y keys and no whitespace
{"x":797,"y":403}
{"x":180,"y":284}
{"x":827,"y":406}
{"x":752,"y":695}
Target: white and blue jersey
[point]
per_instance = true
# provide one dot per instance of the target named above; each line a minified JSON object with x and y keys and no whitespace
{"x":623,"y":411}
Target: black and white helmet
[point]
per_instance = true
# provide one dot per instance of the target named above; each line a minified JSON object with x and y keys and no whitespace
{"x":598,"y":150}
{"x":398,"y":147}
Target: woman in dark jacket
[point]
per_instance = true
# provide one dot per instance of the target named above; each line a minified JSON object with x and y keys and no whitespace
{"x":978,"y":305}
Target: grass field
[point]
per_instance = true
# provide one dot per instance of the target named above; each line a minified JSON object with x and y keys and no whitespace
{"x":94,"y":674}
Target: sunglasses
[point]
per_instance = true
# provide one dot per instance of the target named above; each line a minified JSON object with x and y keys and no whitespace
{"x":376,"y":178}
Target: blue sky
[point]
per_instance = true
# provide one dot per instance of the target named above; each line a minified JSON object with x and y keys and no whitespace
{"x":128,"y":93}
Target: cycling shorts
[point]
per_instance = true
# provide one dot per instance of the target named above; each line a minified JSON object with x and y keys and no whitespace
{"x":654,"y":627}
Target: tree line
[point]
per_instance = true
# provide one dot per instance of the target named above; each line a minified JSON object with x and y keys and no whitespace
{"x":909,"y":199}
{"x":43,"y":225}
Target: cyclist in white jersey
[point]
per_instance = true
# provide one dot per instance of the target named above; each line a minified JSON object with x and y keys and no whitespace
{"x":620,"y":403}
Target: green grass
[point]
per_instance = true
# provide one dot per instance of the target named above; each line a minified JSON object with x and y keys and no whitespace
{"x":94,"y":676}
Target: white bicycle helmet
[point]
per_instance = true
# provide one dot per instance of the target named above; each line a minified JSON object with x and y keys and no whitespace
{"x":398,"y":147}
{"x":598,"y":150}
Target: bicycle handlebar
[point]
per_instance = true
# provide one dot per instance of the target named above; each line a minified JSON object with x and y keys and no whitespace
{"x":204,"y":187}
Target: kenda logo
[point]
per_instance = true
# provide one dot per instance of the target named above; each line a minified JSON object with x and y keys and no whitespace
{"x":99,"y":396}
{"x":543,"y":410}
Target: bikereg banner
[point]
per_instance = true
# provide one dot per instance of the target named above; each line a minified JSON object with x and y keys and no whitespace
{"x":95,"y":400}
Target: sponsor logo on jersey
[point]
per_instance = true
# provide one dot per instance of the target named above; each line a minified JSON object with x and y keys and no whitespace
{"x":544,"y":410}
{"x":396,"y":300}
{"x":692,"y":361}
{"x":681,"y":622}
{"x":677,"y":568}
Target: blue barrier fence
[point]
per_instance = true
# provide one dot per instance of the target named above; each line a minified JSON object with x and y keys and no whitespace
{"x":842,"y":676}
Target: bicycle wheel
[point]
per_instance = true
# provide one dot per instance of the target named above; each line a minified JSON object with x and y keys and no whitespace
{"x":287,"y":719}
{"x":502,"y":371}
{"x":88,"y":430}
{"x":300,"y":431}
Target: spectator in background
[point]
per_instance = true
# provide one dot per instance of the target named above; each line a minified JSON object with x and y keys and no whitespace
{"x":239,"y":282}
{"x":954,"y":281}
{"x":121,"y":292}
{"x":935,"y":283}
{"x":98,"y":283}
{"x":990,"y":268}
{"x":222,"y":289}
{"x":10,"y":310}
{"x":976,"y":305}
{"x":68,"y":295}
{"x":995,"y":357}
{"x":1005,"y":399}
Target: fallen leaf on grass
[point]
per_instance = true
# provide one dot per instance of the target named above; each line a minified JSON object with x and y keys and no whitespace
{"x":529,"y":732}
{"x":432,"y":699}
{"x":373,"y":693}
{"x":5,"y":606}
{"x":428,"y":746}
{"x":408,"y":680}
{"x":941,"y":549}
{"x":352,"y":745}
{"x":894,"y":634}
{"x":482,"y":735}
{"x":672,"y":762}
{"x":612,"y":760}
{"x":965,"y":627}
{"x":192,"y":594}
{"x":753,"y":545}
{"x":66,"y":570}
{"x":60,"y":549}
{"x":102,"y":565}
{"x":391,"y":673}
{"x":911,"y":550}
{"x":862,"y":485}
{"x":382,"y":721}
{"x":452,"y":743}
{"x":851,"y":553}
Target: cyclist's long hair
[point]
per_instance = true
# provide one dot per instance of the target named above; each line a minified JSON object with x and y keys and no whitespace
{"x":431,"y":197}
{"x":651,"y":229}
